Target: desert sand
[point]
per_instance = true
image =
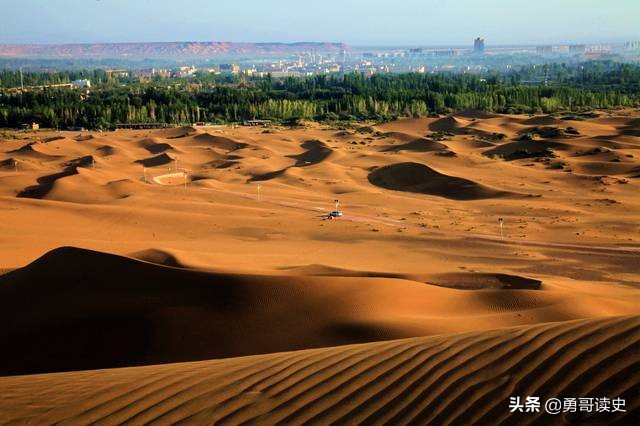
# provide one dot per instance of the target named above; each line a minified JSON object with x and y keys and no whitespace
{"x":458,"y":379}
{"x":210,"y":248}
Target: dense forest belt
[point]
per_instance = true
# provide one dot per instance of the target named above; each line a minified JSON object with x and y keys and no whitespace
{"x":382,"y":97}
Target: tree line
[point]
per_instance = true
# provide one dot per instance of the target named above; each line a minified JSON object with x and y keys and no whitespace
{"x":592,"y":85}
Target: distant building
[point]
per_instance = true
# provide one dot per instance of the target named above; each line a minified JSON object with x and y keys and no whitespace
{"x":117,"y":73}
{"x":138,"y":126}
{"x":333,"y":68}
{"x":152,"y":72}
{"x":254,"y":123}
{"x":598,"y":48}
{"x":284,"y":74}
{"x":478,"y":46}
{"x":577,"y":49}
{"x":230,"y":68}
{"x":448,"y":52}
{"x":544,"y":50}
{"x":81,"y":84}
{"x":632,"y":45}
{"x":369,"y":71}
{"x":186,"y":71}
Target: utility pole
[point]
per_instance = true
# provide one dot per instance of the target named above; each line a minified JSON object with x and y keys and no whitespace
{"x":259,"y":187}
{"x":501,"y":222}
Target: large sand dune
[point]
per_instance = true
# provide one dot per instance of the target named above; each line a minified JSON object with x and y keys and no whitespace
{"x":93,"y":310}
{"x":415,"y":177}
{"x":453,"y":379}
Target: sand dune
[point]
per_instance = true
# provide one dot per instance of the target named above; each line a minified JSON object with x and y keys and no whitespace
{"x":513,"y":150}
{"x":107,"y":150}
{"x":545,"y":120}
{"x":178,"y":132}
{"x":84,"y":138}
{"x":481,"y":144}
{"x":400,"y":136}
{"x":476,"y":114}
{"x":45,"y":184}
{"x":460,"y":280}
{"x":418,"y":145}
{"x":485,"y":280}
{"x":158,"y":160}
{"x":452,"y":379}
{"x":10,"y":163}
{"x":36,"y":150}
{"x":58,"y":138}
{"x":159,"y":148}
{"x":223,"y":143}
{"x":156,"y":145}
{"x":631,"y":128}
{"x":94,"y":310}
{"x":159,"y":257}
{"x":415,"y":177}
{"x":316,"y":152}
{"x":450,"y":123}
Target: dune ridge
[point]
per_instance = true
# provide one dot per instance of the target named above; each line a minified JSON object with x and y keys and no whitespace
{"x":416,"y":177}
{"x":315,"y":152}
{"x":93,"y":310}
{"x":451,"y":379}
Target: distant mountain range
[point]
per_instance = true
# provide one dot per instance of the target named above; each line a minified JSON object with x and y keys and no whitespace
{"x":161,"y":50}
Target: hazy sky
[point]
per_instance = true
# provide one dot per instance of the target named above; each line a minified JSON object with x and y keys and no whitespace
{"x":358,"y":22}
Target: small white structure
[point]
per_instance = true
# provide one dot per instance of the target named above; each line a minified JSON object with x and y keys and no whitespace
{"x":336,"y":213}
{"x":81,"y":84}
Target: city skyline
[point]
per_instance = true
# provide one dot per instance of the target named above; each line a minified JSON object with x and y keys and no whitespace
{"x":411,"y":23}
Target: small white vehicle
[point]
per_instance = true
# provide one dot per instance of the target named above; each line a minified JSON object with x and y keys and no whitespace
{"x":334,"y":214}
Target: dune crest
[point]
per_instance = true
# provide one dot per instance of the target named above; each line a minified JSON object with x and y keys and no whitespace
{"x":158,"y":160}
{"x":159,"y":257}
{"x":450,"y":123}
{"x":417,"y":145}
{"x":450,"y":379}
{"x":98,"y":310}
{"x":416,"y":177}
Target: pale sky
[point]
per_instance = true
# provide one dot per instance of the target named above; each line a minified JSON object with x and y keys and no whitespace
{"x":357,"y":22}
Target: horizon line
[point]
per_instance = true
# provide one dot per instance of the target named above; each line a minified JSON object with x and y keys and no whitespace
{"x":355,"y":45}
